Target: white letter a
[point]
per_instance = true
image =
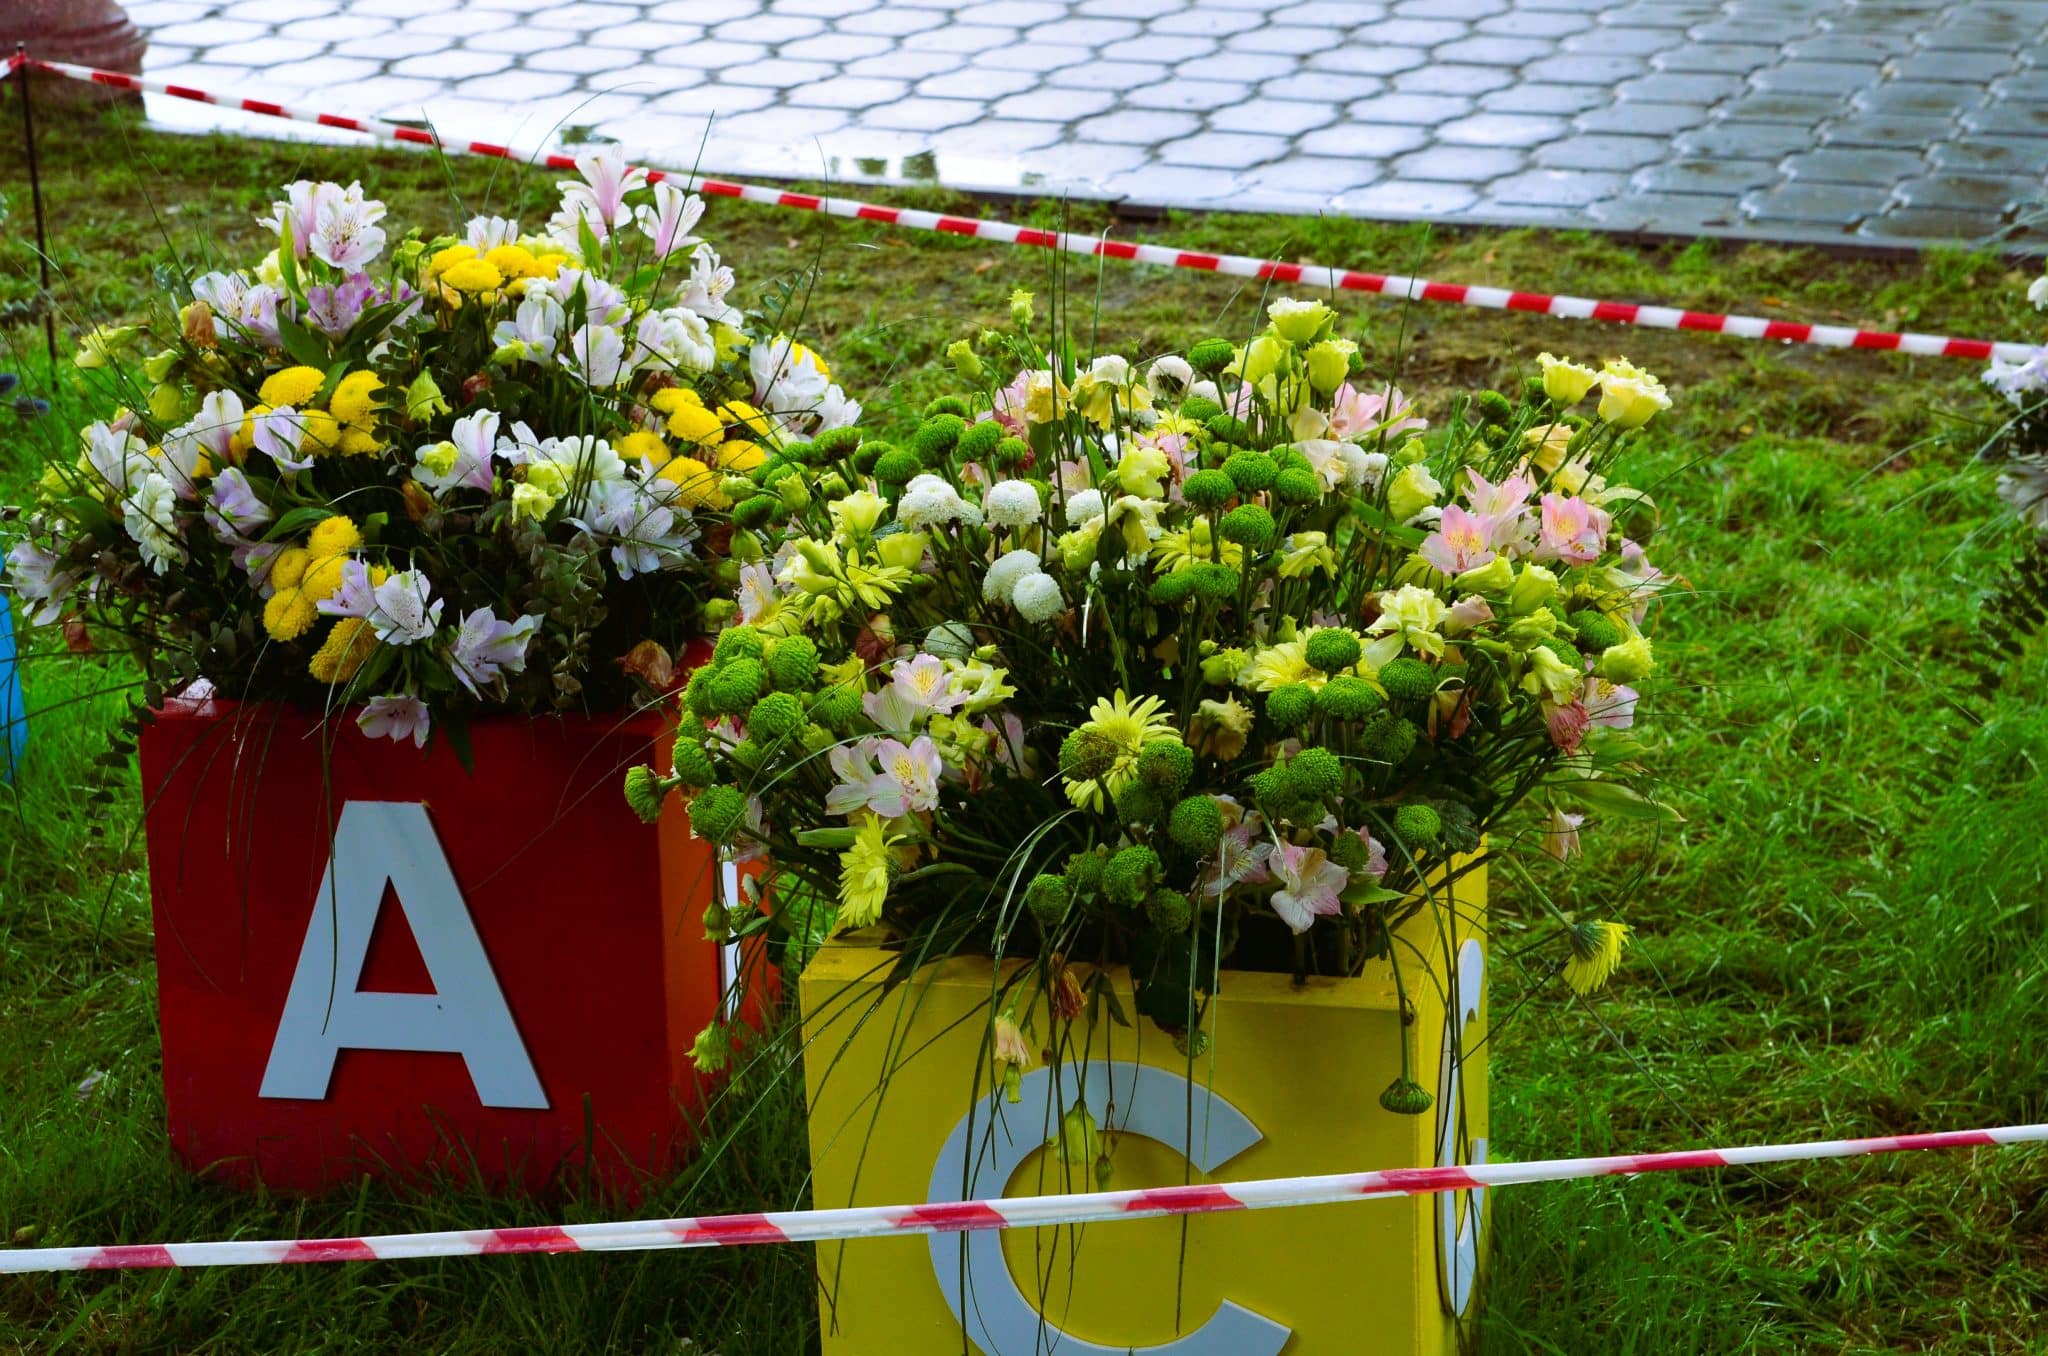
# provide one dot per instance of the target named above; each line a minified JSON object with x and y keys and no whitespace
{"x":375,"y":843}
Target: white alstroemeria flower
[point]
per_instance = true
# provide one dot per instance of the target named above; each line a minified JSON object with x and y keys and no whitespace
{"x":279,"y":434}
{"x":405,"y":612}
{"x":534,"y":330}
{"x":396,"y":718}
{"x":35,"y":578}
{"x":787,"y":376}
{"x":607,"y":179}
{"x":709,"y":282}
{"x":485,"y":646}
{"x":484,"y":234}
{"x":670,"y":220}
{"x":836,"y":409}
{"x":345,"y":230}
{"x":464,"y":459}
{"x":300,"y":210}
{"x":232,"y":509}
{"x":118,"y":457}
{"x":646,"y":534}
{"x":597,"y":355}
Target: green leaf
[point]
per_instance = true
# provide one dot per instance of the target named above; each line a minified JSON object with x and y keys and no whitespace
{"x":295,"y":521}
{"x":454,"y":725}
{"x":1613,"y":798}
{"x":1368,"y":892}
{"x":288,"y":256}
{"x":301,"y":344}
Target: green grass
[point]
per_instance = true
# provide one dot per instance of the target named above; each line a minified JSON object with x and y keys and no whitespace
{"x":1844,"y":938}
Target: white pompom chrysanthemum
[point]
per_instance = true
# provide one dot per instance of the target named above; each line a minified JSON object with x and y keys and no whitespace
{"x":1037,"y":598}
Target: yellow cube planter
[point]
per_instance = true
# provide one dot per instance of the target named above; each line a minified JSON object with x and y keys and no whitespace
{"x":901,"y":1111}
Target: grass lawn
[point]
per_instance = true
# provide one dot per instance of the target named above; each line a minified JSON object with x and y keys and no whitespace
{"x":1844,"y":938}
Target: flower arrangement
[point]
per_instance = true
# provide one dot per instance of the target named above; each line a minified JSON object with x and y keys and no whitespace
{"x":1222,"y":658}
{"x":459,"y":474}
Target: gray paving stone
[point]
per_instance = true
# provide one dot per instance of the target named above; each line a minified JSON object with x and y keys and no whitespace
{"x":1899,"y":132}
{"x":1694,"y":175}
{"x":1662,"y":88}
{"x":1610,"y":154}
{"x":1137,"y":127}
{"x":1744,"y":140}
{"x":1556,"y":187}
{"x":1918,"y":225}
{"x":1900,"y":120}
{"x":1366,"y":140}
{"x":1538,"y":98}
{"x":1984,"y":193}
{"x":1839,"y":205}
{"x":1848,"y":165}
{"x":1502,"y":129}
{"x":1459,"y":164}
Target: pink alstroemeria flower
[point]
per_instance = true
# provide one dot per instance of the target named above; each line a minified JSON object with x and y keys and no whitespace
{"x":1573,"y":530}
{"x":1561,"y":835}
{"x":1461,"y":541}
{"x":1310,"y":885}
{"x":1356,"y":413}
{"x":1567,"y":725}
{"x":1609,"y":705}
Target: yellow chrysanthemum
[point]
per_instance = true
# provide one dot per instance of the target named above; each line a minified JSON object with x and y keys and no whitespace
{"x":669,"y":399}
{"x":753,"y":423}
{"x":548,"y":265}
{"x":295,"y":386}
{"x":346,"y":649}
{"x":358,"y":442}
{"x":323,"y":577}
{"x":864,"y":874}
{"x":641,"y":444}
{"x":513,"y":261}
{"x":355,"y":398}
{"x":290,"y":567}
{"x":472,"y":275}
{"x":322,"y":432}
{"x":444,"y":260}
{"x":289,"y":614}
{"x":697,"y":485}
{"x":695,"y":425}
{"x":740,"y":457}
{"x":331,"y":537}
{"x":1596,"y":952}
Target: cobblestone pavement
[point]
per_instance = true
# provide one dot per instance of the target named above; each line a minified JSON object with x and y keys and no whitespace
{"x":1870,"y":121}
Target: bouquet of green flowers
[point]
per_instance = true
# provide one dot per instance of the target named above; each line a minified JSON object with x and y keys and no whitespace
{"x":458,"y":475}
{"x":1223,"y":659}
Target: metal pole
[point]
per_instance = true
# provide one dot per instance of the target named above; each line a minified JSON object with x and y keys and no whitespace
{"x":35,"y":189}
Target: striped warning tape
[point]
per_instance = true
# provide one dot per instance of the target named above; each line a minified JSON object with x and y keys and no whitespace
{"x":812,"y":1226}
{"x":1235,"y":265}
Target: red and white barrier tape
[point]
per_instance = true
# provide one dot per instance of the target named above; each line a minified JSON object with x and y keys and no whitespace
{"x":810,"y":1226}
{"x":1236,"y":265}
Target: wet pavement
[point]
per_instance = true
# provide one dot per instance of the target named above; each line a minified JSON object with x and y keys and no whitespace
{"x":1879,"y":122}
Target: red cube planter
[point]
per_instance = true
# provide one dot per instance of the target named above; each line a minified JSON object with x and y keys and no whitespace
{"x":372,"y":960}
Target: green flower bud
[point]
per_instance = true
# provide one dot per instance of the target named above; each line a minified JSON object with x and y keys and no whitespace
{"x":735,"y":683}
{"x":1249,"y":525}
{"x":1011,"y":453}
{"x":757,"y":511}
{"x":645,"y":790}
{"x":837,"y":706}
{"x":1349,"y":851}
{"x":945,"y":404}
{"x":1086,"y":755}
{"x":898,"y":466}
{"x":1200,"y":409}
{"x":1389,"y":740}
{"x":1417,"y":826}
{"x":1210,"y":356}
{"x":1130,"y":876}
{"x":1348,"y":698}
{"x":1495,"y":407}
{"x":1290,"y":707}
{"x":1047,"y":897}
{"x":1215,"y":582}
{"x":936,"y":437}
{"x":1168,"y":910}
{"x":1407,"y":680}
{"x":1298,"y":485}
{"x":836,"y":442}
{"x":1228,"y":428}
{"x":1138,"y":805}
{"x":979,"y":441}
{"x":1209,"y":490}
{"x":735,"y":642}
{"x":793,"y":664}
{"x":1166,"y":765}
{"x":1196,"y":824}
{"x":1332,"y":649}
{"x":1316,"y":774}
{"x":1251,"y":471}
{"x":692,"y":764}
{"x":1171,"y":590}
{"x":1084,"y":872}
{"x":961,"y":354}
{"x":774,"y":718}
{"x":716,"y":814}
{"x":1596,"y":631}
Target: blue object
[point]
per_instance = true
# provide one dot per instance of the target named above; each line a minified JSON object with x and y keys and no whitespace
{"x":13,"y":710}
